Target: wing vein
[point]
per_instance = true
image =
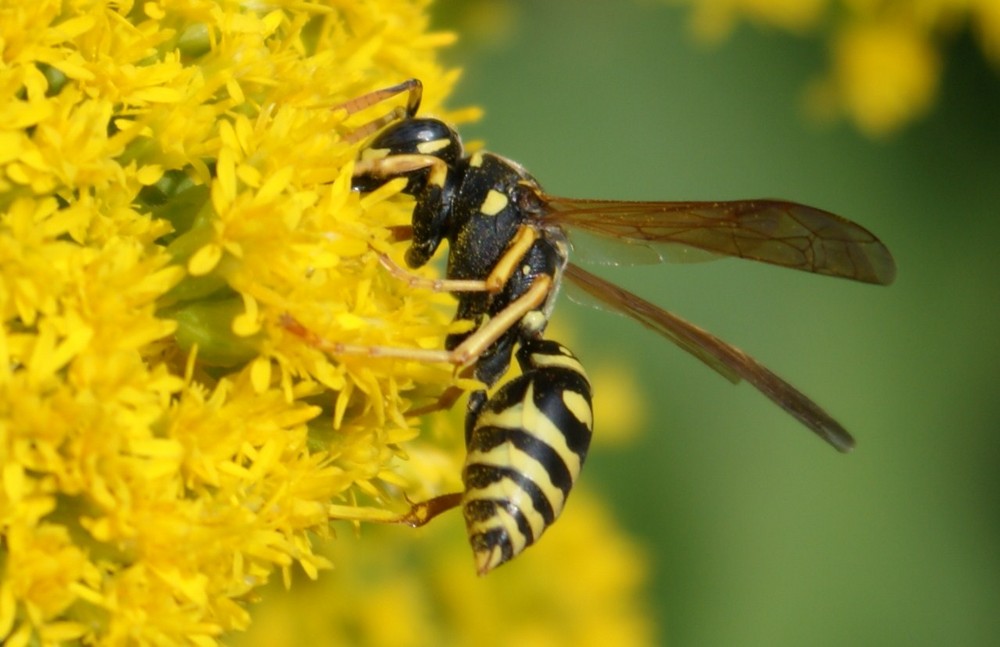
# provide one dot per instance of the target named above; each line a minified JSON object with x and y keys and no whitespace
{"x":727,"y":360}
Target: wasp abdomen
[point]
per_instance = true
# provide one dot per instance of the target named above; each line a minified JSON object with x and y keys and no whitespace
{"x":525,"y":451}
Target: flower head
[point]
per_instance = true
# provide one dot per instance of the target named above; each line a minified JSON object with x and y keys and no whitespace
{"x":173,"y":181}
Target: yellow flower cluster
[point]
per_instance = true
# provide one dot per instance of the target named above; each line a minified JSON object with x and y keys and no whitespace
{"x":173,"y":181}
{"x":578,"y":587}
{"x":885,"y":54}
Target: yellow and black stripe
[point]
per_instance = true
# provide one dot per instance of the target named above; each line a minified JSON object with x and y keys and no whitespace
{"x":525,"y":450}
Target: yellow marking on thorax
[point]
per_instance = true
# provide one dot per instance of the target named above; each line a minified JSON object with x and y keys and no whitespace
{"x":494,"y":203}
{"x":433,"y":146}
{"x":374,"y":153}
{"x":476,"y":160}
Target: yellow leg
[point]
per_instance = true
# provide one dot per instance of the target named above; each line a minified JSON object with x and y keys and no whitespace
{"x":462,"y":355}
{"x":435,"y":285}
{"x":477,"y":343}
{"x":507,"y":265}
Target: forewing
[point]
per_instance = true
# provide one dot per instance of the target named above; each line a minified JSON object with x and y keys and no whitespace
{"x":731,"y":362}
{"x":770,"y":231}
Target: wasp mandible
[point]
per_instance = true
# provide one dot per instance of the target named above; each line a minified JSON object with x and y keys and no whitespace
{"x":508,"y":250}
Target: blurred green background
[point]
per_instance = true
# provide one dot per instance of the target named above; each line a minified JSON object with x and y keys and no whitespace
{"x":759,"y":533}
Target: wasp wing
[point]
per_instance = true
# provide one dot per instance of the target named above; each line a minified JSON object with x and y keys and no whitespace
{"x":770,"y":231}
{"x":731,"y":362}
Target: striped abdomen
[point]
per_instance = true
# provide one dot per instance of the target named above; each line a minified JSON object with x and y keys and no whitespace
{"x":525,"y":450}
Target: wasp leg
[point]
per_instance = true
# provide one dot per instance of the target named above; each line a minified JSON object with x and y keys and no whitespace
{"x":418,"y":514}
{"x":476,"y":344}
{"x":357,"y":104}
{"x":435,"y":285}
{"x":508,"y":263}
{"x":425,"y":511}
{"x":427,"y":176}
{"x":462,"y":355}
{"x":502,"y":271}
{"x":447,"y":399}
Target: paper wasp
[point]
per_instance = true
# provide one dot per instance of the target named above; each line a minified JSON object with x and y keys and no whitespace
{"x":508,"y":249}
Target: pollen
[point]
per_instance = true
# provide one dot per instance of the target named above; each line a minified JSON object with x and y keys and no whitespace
{"x":169,"y":446}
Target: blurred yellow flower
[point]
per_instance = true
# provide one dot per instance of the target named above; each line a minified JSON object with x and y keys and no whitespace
{"x":884,"y":74}
{"x":885,"y":54}
{"x":715,"y":19}
{"x":173,"y":181}
{"x":578,"y":587}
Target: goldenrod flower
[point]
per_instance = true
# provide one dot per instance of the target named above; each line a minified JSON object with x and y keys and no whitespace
{"x":579,"y":587}
{"x":173,"y":180}
{"x":885,"y":54}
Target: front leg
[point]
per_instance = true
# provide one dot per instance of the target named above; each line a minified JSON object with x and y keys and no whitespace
{"x":427,"y":181}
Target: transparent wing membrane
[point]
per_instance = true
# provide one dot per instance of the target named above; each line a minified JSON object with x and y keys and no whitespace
{"x":727,"y":360}
{"x":770,"y":231}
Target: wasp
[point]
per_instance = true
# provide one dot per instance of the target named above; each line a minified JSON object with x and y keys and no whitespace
{"x":508,"y":252}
